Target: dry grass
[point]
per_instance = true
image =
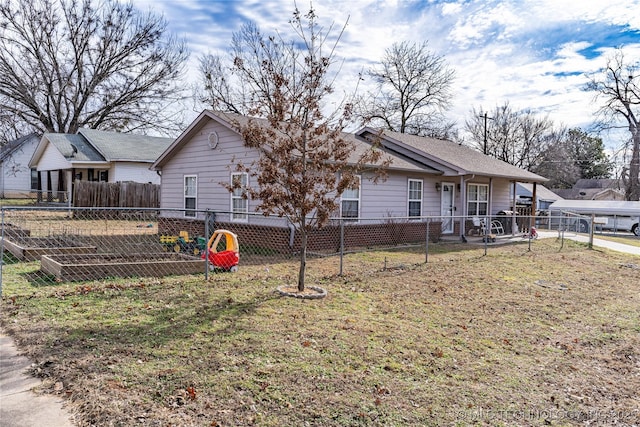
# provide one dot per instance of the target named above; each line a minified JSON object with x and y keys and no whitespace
{"x":512,"y":338}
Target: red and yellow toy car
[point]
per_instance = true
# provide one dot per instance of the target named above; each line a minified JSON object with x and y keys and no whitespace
{"x":223,"y":250}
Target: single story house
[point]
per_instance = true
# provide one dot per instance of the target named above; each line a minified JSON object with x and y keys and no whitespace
{"x":16,"y":178}
{"x":426,"y":177}
{"x":94,"y":155}
{"x":594,"y":189}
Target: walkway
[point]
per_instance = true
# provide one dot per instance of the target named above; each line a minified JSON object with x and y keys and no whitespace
{"x":19,"y":405}
{"x":604,"y":243}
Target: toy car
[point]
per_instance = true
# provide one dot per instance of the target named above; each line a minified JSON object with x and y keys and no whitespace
{"x":223,"y":254}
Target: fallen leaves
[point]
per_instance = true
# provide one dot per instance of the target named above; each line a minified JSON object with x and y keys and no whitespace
{"x":191,"y":393}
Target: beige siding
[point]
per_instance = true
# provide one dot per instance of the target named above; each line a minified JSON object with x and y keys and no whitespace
{"x":501,"y":198}
{"x":211,"y":166}
{"x":214,"y":166}
{"x":391,"y":197}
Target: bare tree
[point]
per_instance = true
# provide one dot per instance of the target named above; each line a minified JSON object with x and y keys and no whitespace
{"x":515,"y":137}
{"x":10,"y":129}
{"x":617,"y":85}
{"x":575,"y":155}
{"x":67,"y":64}
{"x":306,"y":161}
{"x":413,"y":90}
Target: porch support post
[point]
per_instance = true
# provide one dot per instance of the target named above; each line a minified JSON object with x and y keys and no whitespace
{"x":534,"y":197}
{"x":463,"y":202}
{"x":69,"y":186}
{"x":61,"y":176}
{"x":49,"y":187}
{"x":39,"y":195}
{"x":514,"y":223}
{"x":490,"y":201}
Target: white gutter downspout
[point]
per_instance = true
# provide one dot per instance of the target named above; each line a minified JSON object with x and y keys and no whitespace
{"x":490,"y":201}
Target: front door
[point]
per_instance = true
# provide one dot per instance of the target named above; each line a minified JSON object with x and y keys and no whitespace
{"x":446,"y":206}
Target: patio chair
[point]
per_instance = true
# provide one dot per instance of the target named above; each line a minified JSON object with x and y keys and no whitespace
{"x":496,"y":227}
{"x":476,"y":226}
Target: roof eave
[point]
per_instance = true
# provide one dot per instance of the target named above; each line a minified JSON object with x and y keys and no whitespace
{"x":415,"y":151}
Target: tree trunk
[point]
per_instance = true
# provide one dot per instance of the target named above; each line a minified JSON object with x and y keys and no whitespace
{"x":633,"y":188}
{"x":303,"y":258}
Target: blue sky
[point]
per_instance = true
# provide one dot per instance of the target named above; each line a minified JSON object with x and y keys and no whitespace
{"x":531,"y":53}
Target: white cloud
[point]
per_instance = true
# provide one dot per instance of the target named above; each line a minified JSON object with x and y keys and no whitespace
{"x":530,"y":53}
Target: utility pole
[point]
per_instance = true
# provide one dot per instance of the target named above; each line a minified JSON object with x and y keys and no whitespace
{"x":484,"y":116}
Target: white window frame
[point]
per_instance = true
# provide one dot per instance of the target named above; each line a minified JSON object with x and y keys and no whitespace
{"x":348,"y":198}
{"x":34,"y":179}
{"x":240,"y":215}
{"x":477,"y":201}
{"x":410,"y":200}
{"x":190,"y":212}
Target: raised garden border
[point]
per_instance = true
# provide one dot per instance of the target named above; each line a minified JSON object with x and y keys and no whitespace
{"x":32,"y":248}
{"x":76,"y":267}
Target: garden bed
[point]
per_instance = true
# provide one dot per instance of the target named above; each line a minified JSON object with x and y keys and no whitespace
{"x":31,"y":248}
{"x":73,"y":267}
{"x":14,"y":231}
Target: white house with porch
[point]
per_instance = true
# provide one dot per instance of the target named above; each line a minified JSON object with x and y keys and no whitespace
{"x":94,"y":155}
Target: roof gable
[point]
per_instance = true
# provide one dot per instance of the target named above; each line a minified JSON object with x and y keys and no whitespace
{"x":187,"y":135}
{"x":229,"y":121}
{"x":74,"y":147}
{"x":12,"y":146}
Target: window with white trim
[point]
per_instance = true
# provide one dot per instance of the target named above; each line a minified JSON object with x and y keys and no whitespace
{"x":34,"y":180}
{"x":477,"y":199}
{"x":415,"y":197}
{"x":350,"y":202}
{"x":190,"y":194}
{"x":239,"y":198}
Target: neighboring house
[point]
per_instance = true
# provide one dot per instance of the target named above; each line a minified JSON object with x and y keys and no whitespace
{"x":427,"y":177}
{"x":94,"y":155}
{"x":594,"y":189}
{"x":545,"y":197}
{"x":15,"y":174}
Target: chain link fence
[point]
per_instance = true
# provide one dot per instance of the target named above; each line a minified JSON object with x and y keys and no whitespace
{"x":83,"y":244}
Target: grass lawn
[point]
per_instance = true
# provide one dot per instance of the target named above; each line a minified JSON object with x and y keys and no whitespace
{"x":17,"y":202}
{"x":511,"y":338}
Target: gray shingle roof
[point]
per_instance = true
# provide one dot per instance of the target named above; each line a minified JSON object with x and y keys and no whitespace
{"x":419,"y":154}
{"x":458,"y":157}
{"x":542,"y":192}
{"x":116,"y":146}
{"x":74,"y":147}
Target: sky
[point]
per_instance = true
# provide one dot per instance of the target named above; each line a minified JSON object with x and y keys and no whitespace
{"x":533,"y":54}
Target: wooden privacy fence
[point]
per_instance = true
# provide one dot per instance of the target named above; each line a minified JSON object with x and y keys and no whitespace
{"x":116,"y":194}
